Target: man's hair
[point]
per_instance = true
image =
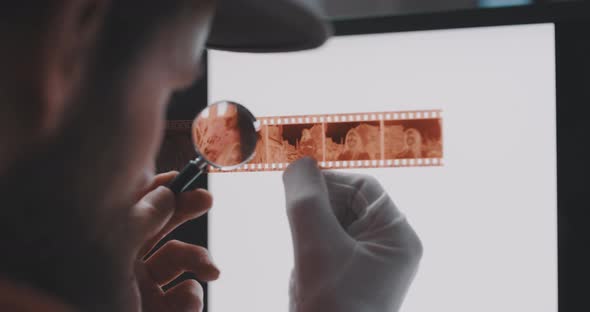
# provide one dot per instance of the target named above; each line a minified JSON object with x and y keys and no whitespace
{"x":52,"y":198}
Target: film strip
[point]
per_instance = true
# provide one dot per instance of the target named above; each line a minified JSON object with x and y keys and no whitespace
{"x":337,"y":141}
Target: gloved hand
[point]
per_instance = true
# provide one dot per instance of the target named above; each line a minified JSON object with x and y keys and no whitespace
{"x":354,"y":250}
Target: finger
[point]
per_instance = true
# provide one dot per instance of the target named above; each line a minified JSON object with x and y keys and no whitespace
{"x":175,"y":258}
{"x":158,"y":180}
{"x":364,"y":199}
{"x":151,"y":294}
{"x":372,"y":215}
{"x":189,"y":206}
{"x":185,"y":297}
{"x":308,"y":207}
{"x":151,"y":214}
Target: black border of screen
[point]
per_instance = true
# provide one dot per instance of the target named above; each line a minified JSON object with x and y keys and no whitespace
{"x":530,"y":14}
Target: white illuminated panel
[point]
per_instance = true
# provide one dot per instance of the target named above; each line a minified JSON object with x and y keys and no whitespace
{"x":487,"y":216}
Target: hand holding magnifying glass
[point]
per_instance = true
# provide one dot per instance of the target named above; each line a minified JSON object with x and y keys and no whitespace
{"x":224,"y":136}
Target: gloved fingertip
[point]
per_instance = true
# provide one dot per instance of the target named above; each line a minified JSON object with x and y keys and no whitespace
{"x":301,"y":168}
{"x":309,"y":211}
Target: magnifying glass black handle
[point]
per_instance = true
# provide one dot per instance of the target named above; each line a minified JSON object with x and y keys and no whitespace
{"x":187,"y":178}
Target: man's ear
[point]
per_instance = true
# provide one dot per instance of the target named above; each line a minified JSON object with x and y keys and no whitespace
{"x":71,"y":38}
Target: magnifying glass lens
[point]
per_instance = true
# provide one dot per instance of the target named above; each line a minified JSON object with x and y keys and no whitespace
{"x":224,"y":136}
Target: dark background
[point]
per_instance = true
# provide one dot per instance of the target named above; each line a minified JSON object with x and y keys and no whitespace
{"x":573,"y":99}
{"x":346,"y":9}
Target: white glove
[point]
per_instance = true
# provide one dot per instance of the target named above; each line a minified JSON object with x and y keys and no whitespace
{"x":354,"y":250}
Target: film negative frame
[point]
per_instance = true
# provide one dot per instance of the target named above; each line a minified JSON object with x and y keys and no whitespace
{"x":376,"y":119}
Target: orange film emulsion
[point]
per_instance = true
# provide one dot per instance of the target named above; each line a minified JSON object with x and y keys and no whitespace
{"x":362,"y":140}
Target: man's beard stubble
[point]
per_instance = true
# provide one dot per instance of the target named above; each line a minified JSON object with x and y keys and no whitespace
{"x":59,"y":233}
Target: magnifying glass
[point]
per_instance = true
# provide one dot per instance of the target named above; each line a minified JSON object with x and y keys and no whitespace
{"x":224,"y":135}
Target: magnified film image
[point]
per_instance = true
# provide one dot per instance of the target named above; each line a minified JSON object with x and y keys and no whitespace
{"x":224,"y":134}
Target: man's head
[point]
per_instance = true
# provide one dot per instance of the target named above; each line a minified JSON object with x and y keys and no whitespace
{"x":83,"y":91}
{"x":82,"y":99}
